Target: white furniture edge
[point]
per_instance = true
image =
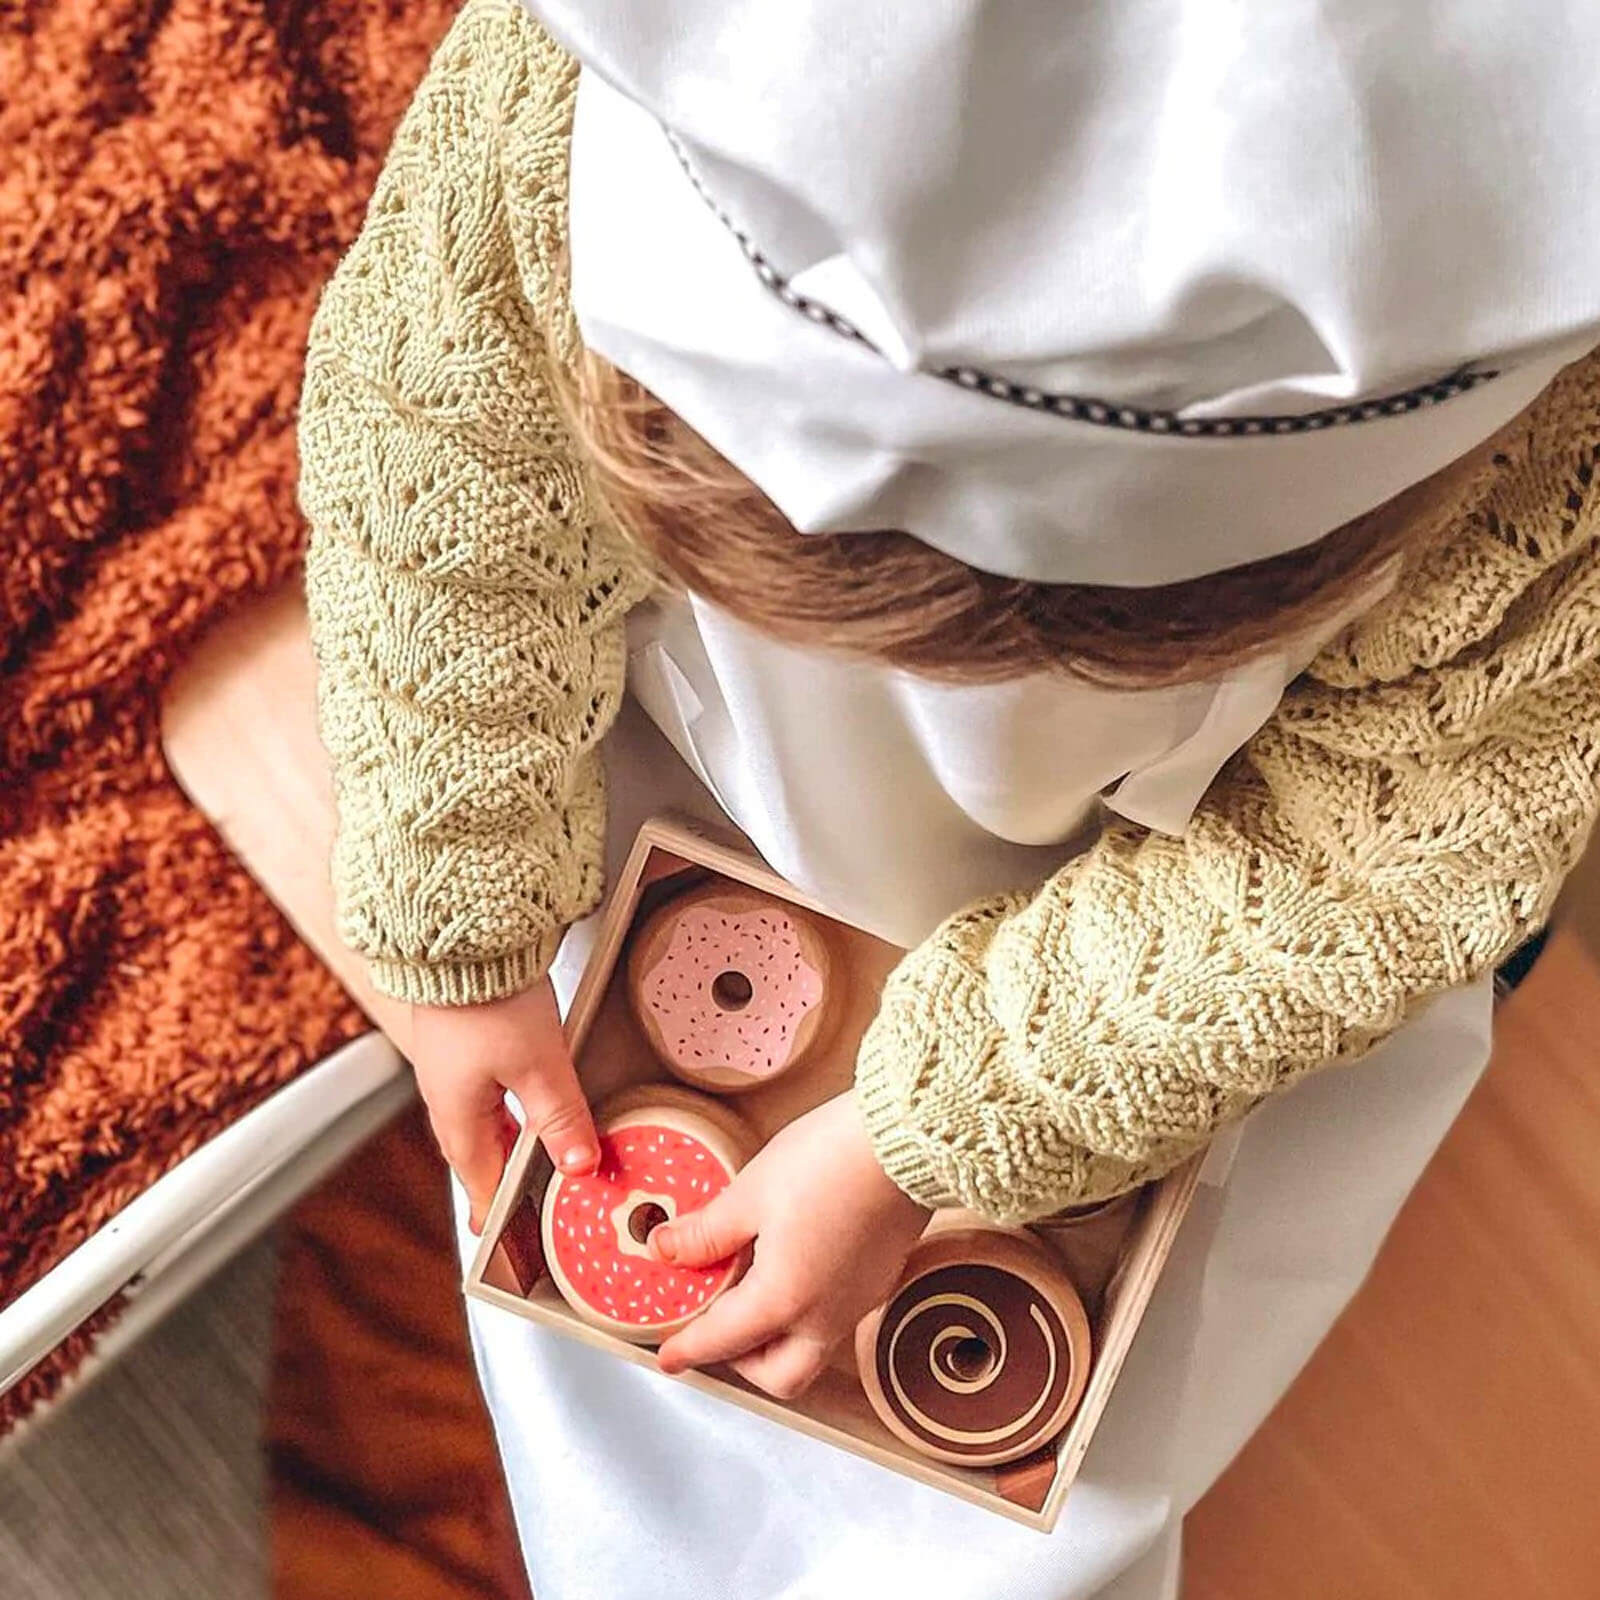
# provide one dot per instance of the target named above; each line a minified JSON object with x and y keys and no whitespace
{"x":189,"y":1221}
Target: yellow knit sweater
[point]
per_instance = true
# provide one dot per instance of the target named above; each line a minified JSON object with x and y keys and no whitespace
{"x":1398,"y":826}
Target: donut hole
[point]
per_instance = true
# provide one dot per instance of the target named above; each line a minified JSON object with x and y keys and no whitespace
{"x":644,"y":1219}
{"x":732,"y":990}
{"x":970,"y":1359}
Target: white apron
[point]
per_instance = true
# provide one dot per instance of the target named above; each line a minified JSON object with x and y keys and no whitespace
{"x":896,"y":800}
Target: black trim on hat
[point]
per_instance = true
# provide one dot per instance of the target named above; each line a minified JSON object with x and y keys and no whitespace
{"x":1084,"y":408}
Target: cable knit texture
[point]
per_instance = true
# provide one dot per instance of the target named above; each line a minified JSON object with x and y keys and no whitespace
{"x":467,"y":611}
{"x":1395,"y":829}
{"x":1398,"y":827}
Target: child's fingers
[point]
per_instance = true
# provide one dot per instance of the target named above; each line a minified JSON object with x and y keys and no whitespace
{"x":474,"y":1133}
{"x":702,"y":1238}
{"x":786,"y":1367}
{"x":732,"y":1326}
{"x":546,"y":1085}
{"x":466,"y":1057}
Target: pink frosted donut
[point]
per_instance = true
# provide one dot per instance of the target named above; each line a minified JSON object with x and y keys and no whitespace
{"x":729,"y":987}
{"x":662,"y":1157}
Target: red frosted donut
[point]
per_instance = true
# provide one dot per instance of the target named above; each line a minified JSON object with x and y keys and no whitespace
{"x":729,"y":986}
{"x":660,"y":1157}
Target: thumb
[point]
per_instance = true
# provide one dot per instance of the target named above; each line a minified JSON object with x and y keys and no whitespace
{"x":701,"y":1238}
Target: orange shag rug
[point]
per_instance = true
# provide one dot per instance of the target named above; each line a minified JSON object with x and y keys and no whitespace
{"x":180,"y":178}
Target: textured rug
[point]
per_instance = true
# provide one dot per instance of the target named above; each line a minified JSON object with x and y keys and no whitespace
{"x":180,"y":177}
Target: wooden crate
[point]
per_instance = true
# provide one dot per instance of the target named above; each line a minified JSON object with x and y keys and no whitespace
{"x":1114,"y":1257}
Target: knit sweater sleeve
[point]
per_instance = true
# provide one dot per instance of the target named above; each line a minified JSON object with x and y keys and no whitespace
{"x":466,"y":609}
{"x":1397,"y":827}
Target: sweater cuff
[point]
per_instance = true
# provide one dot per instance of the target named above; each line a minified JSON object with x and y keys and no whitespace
{"x":899,"y":1149}
{"x":465,"y":983}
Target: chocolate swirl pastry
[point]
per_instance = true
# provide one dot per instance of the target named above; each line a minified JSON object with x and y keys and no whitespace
{"x":982,"y":1353}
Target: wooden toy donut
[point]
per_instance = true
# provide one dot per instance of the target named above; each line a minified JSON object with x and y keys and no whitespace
{"x":730,"y":987}
{"x":982,"y":1353}
{"x":663,"y":1153}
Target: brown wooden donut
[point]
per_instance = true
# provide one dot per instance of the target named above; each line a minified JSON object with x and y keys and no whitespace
{"x":981,"y":1354}
{"x":729,"y":987}
{"x":663,"y":1153}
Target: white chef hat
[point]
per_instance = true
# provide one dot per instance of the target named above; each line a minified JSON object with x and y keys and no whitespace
{"x":1107,"y":293}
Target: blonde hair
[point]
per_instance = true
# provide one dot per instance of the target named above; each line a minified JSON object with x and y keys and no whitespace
{"x":887,"y":596}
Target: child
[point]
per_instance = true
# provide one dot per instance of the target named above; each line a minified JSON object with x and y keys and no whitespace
{"x":971,"y":430}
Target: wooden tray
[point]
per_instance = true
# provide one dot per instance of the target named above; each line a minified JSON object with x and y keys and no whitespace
{"x":1115,"y":1256}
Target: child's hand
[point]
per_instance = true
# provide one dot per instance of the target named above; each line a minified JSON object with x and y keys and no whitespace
{"x":831,"y":1234}
{"x":467,"y":1057}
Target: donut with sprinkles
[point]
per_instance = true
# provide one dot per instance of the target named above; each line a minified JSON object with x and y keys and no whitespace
{"x":730,"y":988}
{"x":662,"y":1157}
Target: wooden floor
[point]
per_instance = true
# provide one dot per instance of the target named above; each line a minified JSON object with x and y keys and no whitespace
{"x":1443,"y":1441}
{"x":384,"y":1480}
{"x":1444,"y":1444}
